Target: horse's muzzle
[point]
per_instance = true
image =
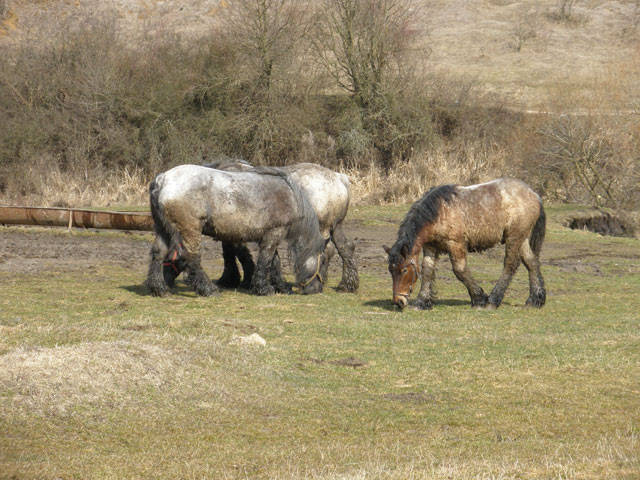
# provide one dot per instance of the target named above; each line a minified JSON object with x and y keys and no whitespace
{"x":401,"y":301}
{"x":313,"y":287}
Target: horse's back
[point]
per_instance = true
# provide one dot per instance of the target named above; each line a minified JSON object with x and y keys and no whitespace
{"x":230,"y":205}
{"x":498,"y":210}
{"x":483,"y":215}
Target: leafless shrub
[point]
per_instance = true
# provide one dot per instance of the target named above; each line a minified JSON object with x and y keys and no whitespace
{"x":524,"y":29}
{"x":592,"y":160}
{"x":563,"y":12}
{"x":631,"y":28}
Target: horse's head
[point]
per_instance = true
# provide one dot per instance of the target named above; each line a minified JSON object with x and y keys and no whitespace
{"x":311,"y":272}
{"x":405,"y":271}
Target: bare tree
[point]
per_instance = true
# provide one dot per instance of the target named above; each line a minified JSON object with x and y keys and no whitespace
{"x":364,"y":46}
{"x":564,"y":11}
{"x":266,"y":32}
{"x":361,"y":42}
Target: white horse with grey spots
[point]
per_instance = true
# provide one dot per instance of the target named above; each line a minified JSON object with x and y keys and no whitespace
{"x":263,"y":205}
{"x":329,"y":194}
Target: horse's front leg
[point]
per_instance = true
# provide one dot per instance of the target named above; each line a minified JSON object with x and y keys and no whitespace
{"x":230,"y":275}
{"x":260,"y":283}
{"x":275,"y":274}
{"x":458,"y":256}
{"x":427,"y":292}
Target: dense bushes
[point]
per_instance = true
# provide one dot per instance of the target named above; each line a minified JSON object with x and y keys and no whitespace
{"x":85,"y":109}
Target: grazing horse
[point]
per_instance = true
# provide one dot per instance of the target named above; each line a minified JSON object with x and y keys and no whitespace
{"x":329,"y":195}
{"x":263,"y":206}
{"x":455,"y":220}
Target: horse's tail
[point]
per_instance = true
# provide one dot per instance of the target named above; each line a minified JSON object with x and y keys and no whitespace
{"x":163,"y":227}
{"x":537,"y":234}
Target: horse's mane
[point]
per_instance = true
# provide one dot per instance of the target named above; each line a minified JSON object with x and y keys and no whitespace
{"x":304,"y":235}
{"x":223,"y":162}
{"x":424,"y":211}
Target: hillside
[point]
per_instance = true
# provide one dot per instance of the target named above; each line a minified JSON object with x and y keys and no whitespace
{"x":518,"y":52}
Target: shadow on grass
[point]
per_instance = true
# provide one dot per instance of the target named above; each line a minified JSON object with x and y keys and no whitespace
{"x":141,"y":290}
{"x":383,"y":304}
{"x":390,"y":306}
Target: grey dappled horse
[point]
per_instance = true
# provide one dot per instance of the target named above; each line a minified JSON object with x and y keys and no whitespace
{"x":262,"y":205}
{"x":455,"y":220}
{"x":329,"y":195}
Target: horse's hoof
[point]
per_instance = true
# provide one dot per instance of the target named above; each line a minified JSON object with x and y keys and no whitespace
{"x":422,"y":305}
{"x":534,"y":303}
{"x":157,"y":290}
{"x":480,"y":302}
{"x":490,"y":306}
{"x":263,"y":291}
{"x":347,"y":288}
{"x":207,"y":290}
{"x":537,"y":298}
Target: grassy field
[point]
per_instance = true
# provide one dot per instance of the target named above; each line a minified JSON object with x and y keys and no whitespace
{"x":100,"y":380}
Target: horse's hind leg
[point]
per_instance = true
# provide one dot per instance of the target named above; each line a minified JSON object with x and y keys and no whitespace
{"x":537,"y":292}
{"x":458,"y":256}
{"x":346,"y":249}
{"x":511,"y":264}
{"x":198,"y":279}
{"x":230,"y":275}
{"x":427,"y":287}
{"x":156,"y":281}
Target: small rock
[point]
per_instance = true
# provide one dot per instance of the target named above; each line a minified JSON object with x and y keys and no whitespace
{"x":253,"y":339}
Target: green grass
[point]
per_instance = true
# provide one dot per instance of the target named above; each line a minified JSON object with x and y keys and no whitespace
{"x":99,"y":380}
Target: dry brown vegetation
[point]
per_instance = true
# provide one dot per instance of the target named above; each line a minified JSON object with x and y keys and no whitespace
{"x":95,"y":101}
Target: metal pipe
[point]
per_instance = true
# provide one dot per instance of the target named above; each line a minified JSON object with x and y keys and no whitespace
{"x":73,"y":217}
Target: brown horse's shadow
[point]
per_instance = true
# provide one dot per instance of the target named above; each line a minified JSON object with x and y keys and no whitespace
{"x":390,"y":306}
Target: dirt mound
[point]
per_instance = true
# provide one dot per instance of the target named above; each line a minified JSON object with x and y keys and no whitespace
{"x":55,"y":380}
{"x":603,"y":223}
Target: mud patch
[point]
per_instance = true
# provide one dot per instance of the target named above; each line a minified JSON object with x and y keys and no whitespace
{"x":349,"y":362}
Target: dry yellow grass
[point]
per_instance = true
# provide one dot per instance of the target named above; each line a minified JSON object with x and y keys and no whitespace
{"x":43,"y":184}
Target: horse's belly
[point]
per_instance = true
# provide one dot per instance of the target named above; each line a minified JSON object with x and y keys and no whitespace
{"x":481,"y":239}
{"x":235,"y":229}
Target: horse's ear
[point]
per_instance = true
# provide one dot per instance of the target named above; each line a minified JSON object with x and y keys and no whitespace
{"x":386,"y":249}
{"x":404,"y":251}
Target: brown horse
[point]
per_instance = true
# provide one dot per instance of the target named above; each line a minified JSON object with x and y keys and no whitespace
{"x":455,"y":220}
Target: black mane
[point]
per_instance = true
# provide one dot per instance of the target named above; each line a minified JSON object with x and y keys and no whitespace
{"x":425,"y":210}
